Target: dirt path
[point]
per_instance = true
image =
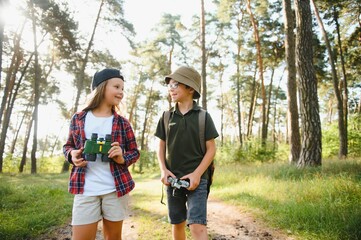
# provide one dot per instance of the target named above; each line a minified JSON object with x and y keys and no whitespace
{"x":225,"y":222}
{"x":228,"y":222}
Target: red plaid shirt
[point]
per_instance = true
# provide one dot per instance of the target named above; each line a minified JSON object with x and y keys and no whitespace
{"x":122,"y":132}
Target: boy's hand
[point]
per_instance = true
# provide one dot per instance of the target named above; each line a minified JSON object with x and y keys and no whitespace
{"x":77,"y":159}
{"x":116,"y":153}
{"x":194,"y":180}
{"x":164,"y":177}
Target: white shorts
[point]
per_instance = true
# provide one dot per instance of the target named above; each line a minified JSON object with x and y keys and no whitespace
{"x":91,"y":209}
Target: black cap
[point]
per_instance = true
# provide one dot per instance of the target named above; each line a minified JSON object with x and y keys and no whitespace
{"x":104,"y":75}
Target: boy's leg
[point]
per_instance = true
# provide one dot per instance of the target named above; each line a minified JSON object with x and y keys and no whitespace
{"x":179,"y":231}
{"x":177,"y":212}
{"x":197,"y":211}
{"x":199,"y":231}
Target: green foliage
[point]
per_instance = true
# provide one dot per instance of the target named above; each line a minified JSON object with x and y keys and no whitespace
{"x":32,"y":204}
{"x":354,"y":135}
{"x":330,"y":138}
{"x":312,"y":203}
{"x":252,"y":151}
{"x":147,"y":163}
{"x":44,"y":165}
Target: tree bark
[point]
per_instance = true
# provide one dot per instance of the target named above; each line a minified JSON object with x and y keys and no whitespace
{"x":344,"y":79}
{"x":204,"y":58}
{"x":311,"y":151}
{"x":36,"y":93}
{"x":26,"y":141}
{"x":341,"y":126}
{"x":255,"y":89}
{"x":260,"y":66}
{"x":239,"y":97}
{"x":9,"y":97}
{"x":292,"y":110}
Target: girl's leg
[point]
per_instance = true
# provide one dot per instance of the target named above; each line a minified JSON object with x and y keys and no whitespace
{"x":85,"y":232}
{"x":112,"y":230}
{"x":179,"y":231}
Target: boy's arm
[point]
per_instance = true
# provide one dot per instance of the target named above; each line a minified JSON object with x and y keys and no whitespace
{"x":196,"y":175}
{"x":161,"y":161}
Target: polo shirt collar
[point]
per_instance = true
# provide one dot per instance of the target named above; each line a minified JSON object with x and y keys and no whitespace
{"x":194,"y":108}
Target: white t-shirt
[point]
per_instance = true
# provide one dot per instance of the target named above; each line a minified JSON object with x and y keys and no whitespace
{"x":98,"y":177}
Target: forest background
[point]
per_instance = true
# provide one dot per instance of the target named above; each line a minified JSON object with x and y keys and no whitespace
{"x":281,"y":80}
{"x":276,"y":92}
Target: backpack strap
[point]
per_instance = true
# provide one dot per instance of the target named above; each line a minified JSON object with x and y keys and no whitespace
{"x":202,"y":129}
{"x":166,"y":118}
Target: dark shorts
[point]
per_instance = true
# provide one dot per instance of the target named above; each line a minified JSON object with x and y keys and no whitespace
{"x":188,"y":205}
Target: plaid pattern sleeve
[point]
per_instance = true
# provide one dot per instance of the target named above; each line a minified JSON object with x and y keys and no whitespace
{"x":76,"y":139}
{"x":76,"y":135}
{"x":123,"y":133}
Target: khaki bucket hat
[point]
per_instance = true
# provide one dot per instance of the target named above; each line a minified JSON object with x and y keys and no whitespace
{"x":189,"y":77}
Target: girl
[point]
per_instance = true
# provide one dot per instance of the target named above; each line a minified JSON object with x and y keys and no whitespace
{"x":101,"y":187}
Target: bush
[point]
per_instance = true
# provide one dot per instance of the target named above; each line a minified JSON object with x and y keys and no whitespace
{"x":330,"y":138}
{"x":252,"y":151}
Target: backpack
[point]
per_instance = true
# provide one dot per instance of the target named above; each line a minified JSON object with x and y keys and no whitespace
{"x":202,"y":130}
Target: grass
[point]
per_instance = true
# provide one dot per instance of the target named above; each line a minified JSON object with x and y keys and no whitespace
{"x":32,"y":204}
{"x":311,"y":203}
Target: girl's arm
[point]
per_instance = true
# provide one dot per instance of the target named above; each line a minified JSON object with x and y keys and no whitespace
{"x":131,"y":153}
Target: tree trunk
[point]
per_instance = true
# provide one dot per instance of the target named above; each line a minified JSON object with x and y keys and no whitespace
{"x":260,"y":65}
{"x":2,"y":3}
{"x":344,"y":79}
{"x":239,"y":97}
{"x":18,"y":128}
{"x":204,"y":59}
{"x":341,"y":126}
{"x":292,"y":110}
{"x":135,"y":97}
{"x":36,"y":93}
{"x":269,"y":99}
{"x":253,"y":104}
{"x":311,"y":151}
{"x":146,"y":118}
{"x":222,"y":104}
{"x":9,"y":97}
{"x":26,"y":141}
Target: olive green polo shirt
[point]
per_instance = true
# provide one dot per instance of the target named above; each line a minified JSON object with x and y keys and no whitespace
{"x":184,"y":152}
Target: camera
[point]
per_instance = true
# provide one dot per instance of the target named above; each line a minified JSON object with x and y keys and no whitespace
{"x":179,"y":186}
{"x":178,"y":183}
{"x":95,"y":145}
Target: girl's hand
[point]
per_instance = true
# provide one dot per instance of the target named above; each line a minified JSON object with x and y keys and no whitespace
{"x":77,"y":159}
{"x":116,"y":153}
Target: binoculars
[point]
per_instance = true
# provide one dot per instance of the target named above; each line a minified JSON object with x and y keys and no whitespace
{"x":96,"y":146}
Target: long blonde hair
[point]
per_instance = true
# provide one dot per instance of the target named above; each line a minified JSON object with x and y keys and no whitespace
{"x":97,"y":98}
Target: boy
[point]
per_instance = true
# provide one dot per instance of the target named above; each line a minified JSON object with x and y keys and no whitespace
{"x":180,"y":155}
